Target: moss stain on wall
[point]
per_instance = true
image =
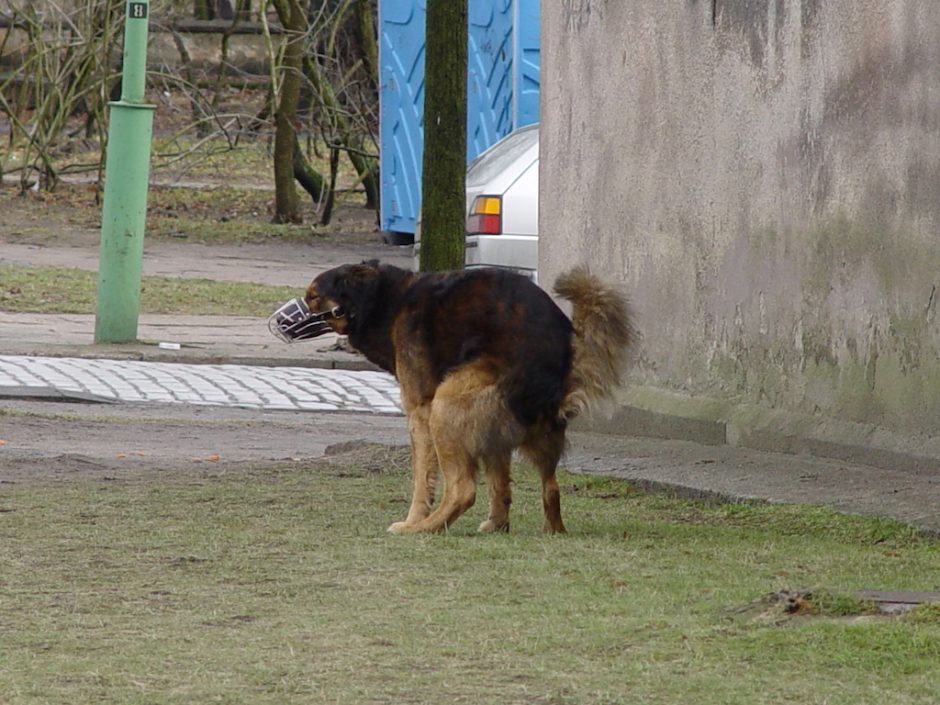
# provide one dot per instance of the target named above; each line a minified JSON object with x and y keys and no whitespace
{"x":865,"y":346}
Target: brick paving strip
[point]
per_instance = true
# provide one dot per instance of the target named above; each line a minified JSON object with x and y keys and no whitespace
{"x":289,"y":388}
{"x":893,"y":602}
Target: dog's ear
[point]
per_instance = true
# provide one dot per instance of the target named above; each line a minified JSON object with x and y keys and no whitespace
{"x":352,"y":286}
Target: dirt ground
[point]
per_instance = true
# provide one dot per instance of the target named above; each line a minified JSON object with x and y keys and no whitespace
{"x":46,"y":441}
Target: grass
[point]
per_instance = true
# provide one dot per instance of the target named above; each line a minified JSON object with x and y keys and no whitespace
{"x":279,"y":585}
{"x":66,"y":290}
{"x":177,"y":157}
{"x":232,"y":215}
{"x":211,"y":215}
{"x":221,"y":214}
{"x":216,"y":195}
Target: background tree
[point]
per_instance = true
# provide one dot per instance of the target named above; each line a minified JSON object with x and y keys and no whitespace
{"x":443,"y":181}
{"x":60,"y":65}
{"x":294,"y":20}
{"x":338,"y":97}
{"x":341,"y":68}
{"x":309,"y":94}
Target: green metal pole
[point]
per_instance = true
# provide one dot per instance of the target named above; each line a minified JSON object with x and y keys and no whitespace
{"x":127,"y":173}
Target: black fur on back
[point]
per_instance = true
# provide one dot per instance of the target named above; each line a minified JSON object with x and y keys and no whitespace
{"x":503,"y":318}
{"x":492,"y":316}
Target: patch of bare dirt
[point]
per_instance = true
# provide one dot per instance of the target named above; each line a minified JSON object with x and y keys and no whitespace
{"x":43,"y":441}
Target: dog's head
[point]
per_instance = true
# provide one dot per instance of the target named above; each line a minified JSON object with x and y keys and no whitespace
{"x":336,"y":301}
{"x":349,"y":290}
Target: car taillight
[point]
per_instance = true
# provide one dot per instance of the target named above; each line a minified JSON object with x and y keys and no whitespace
{"x":486,"y":216}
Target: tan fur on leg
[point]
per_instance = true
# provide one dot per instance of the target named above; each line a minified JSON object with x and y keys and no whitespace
{"x":551,"y":504}
{"x":543,"y":447}
{"x":459,"y":495}
{"x":499,"y":481}
{"x":424,"y":469}
{"x":468,"y":421}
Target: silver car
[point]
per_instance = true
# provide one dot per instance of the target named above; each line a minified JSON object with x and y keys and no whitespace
{"x":503,"y":205}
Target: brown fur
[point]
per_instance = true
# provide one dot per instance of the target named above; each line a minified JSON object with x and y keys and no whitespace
{"x":602,"y":332}
{"x":487,"y":363}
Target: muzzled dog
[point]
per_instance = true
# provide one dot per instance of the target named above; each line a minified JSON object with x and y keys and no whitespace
{"x":487,"y":363}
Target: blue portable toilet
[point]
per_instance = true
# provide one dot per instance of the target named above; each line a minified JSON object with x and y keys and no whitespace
{"x":502,"y":90}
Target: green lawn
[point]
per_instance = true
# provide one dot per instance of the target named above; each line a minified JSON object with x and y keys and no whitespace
{"x":279,"y":585}
{"x":66,"y":290}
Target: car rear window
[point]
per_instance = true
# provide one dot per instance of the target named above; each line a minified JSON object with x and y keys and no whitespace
{"x":500,"y":156}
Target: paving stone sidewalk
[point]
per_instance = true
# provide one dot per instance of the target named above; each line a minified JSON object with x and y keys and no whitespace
{"x":288,"y":388}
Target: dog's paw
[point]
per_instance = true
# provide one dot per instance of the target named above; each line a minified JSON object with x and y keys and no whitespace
{"x":489,"y":526}
{"x":400,"y":527}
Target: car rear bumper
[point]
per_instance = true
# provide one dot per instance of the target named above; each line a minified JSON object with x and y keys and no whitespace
{"x":519,"y":252}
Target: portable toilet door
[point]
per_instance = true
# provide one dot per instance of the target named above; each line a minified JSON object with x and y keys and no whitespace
{"x":502,"y":92}
{"x":526,"y":64}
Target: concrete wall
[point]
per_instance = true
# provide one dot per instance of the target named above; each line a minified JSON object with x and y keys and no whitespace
{"x":764,"y":176}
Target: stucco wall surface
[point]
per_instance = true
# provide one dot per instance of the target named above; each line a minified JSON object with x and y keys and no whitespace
{"x":764,"y":177}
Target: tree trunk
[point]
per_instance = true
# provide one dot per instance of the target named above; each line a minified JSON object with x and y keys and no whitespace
{"x":286,"y":202}
{"x":367,"y":168}
{"x":368,"y":44}
{"x":307,"y":177}
{"x":330,"y":201}
{"x":443,"y":182}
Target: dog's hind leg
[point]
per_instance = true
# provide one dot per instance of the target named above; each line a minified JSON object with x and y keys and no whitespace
{"x":423,"y":466}
{"x":468,"y":422}
{"x":544,"y":448}
{"x":458,"y":469}
{"x":458,"y":465}
{"x":500,"y":485}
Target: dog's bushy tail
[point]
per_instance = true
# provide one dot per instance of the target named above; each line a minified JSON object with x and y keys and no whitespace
{"x":603,"y":331}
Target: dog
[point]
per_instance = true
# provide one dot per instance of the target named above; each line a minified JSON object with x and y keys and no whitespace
{"x":487,"y":363}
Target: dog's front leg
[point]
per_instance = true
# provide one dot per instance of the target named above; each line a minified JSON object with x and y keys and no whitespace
{"x":424,"y":468}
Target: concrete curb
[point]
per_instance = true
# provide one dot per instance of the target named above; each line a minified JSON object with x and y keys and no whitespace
{"x":848,"y":445}
{"x":48,"y":394}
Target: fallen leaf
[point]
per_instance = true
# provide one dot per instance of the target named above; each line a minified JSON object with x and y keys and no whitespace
{"x":214,"y":458}
{"x":121,"y":456}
